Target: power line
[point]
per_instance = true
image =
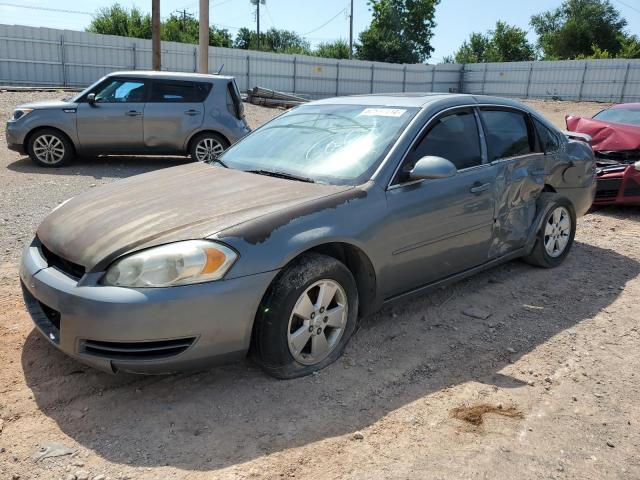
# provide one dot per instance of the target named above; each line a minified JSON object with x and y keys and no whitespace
{"x":327,"y":22}
{"x":32,"y":7}
{"x":627,"y":5}
{"x":273,"y":24}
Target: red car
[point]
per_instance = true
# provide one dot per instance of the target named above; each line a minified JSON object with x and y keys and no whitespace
{"x":615,"y":139}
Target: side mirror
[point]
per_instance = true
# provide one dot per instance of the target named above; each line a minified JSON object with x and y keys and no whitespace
{"x":431,"y":168}
{"x":91,"y":98}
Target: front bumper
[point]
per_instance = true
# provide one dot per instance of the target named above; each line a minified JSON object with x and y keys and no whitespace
{"x":14,"y":138}
{"x":149,"y":330}
{"x":618,"y":185}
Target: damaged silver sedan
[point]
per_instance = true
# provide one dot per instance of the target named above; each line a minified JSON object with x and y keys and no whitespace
{"x":316,"y":219}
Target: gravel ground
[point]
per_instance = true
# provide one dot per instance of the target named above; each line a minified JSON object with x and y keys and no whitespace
{"x":555,"y":365}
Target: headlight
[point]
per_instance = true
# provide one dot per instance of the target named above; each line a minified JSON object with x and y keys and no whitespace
{"x":637,"y":165}
{"x":180,"y":263}
{"x":18,"y":113}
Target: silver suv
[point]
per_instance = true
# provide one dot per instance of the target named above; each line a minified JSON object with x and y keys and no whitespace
{"x":154,"y":113}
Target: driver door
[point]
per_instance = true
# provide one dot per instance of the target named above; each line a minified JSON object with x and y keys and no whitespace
{"x":115,"y":121}
{"x":441,"y":227}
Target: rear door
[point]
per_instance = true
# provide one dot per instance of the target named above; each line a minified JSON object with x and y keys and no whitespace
{"x":174,"y":111}
{"x":514,"y":151}
{"x":115,"y":121}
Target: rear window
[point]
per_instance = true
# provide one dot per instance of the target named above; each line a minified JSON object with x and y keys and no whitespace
{"x":620,"y":115}
{"x":507,"y":133}
{"x":548,"y":140}
{"x":170,"y":91}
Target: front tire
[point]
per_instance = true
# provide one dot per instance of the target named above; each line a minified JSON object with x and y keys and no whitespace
{"x":50,"y":148}
{"x":556,"y":235}
{"x":306,"y":318}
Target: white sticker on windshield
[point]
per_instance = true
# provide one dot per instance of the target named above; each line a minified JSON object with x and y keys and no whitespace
{"x":382,"y":112}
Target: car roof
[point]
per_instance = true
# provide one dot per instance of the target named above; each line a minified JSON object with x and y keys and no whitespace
{"x":417,"y":99}
{"x":627,"y":106}
{"x":169,"y":75}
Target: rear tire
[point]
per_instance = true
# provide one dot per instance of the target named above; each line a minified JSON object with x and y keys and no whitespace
{"x":50,"y":148}
{"x":207,"y":146}
{"x":556,"y":234}
{"x":306,"y":318}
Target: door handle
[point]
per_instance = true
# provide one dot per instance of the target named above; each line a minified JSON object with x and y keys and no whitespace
{"x":480,"y":187}
{"x":133,"y":113}
{"x":192,"y":112}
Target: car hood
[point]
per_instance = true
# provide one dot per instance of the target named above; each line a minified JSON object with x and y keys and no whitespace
{"x":48,"y":104}
{"x":180,"y":203}
{"x":606,"y":136}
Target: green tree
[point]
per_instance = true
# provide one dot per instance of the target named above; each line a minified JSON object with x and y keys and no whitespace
{"x":117,"y":20}
{"x":400,"y":31}
{"x":273,"y":40}
{"x":574,"y":28}
{"x":505,"y":43}
{"x":336,"y":49}
{"x":629,"y":47}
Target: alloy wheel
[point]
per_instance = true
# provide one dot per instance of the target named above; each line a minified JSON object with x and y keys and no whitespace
{"x":48,"y":149}
{"x":317,"y":322}
{"x":208,"y":149}
{"x":557,"y":232}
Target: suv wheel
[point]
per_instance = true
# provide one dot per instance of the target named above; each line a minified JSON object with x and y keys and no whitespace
{"x":207,"y":147}
{"x":50,"y":148}
{"x":306,"y":318}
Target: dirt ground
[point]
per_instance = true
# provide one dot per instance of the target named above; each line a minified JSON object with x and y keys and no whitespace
{"x":546,"y":387}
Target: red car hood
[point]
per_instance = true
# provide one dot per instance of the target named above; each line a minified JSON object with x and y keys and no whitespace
{"x":606,"y":137}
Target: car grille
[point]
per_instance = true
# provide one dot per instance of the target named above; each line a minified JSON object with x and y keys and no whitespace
{"x":136,"y":350}
{"x":608,"y":188}
{"x":631,"y":189}
{"x":46,"y":318}
{"x":72,"y":269}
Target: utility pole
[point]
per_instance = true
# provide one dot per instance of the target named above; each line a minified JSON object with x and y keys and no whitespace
{"x":351,"y":32}
{"x":257,"y":4}
{"x":203,"y":61}
{"x":183,"y":18}
{"x":155,"y":34}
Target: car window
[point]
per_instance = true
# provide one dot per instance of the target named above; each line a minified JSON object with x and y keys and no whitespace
{"x":121,"y":91}
{"x":630,"y":116}
{"x":454,"y":137}
{"x":170,"y":91}
{"x":548,"y":140}
{"x":506,"y":132}
{"x":233,"y":101}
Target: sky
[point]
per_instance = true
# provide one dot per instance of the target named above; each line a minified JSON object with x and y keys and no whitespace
{"x":317,"y":20}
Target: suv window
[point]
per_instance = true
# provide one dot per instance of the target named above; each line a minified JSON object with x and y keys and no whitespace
{"x":234,"y":102}
{"x":173,"y":91}
{"x":454,"y":137}
{"x":507,"y":133}
{"x":120,"y":91}
{"x":548,"y":140}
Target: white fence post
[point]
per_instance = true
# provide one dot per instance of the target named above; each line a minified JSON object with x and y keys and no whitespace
{"x":624,"y":84}
{"x":295,"y":72}
{"x":372,"y":70}
{"x":404,"y":79}
{"x":526,"y":95}
{"x":62,"y":61}
{"x":248,"y":72}
{"x":133,"y":56}
{"x":337,"y":77}
{"x":584,"y":74}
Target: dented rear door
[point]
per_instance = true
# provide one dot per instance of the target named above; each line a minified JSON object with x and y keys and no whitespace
{"x":520,"y":173}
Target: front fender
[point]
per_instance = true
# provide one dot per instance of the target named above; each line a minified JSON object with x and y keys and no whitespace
{"x":270,"y":242}
{"x":59,"y":119}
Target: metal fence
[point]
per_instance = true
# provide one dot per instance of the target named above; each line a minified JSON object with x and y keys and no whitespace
{"x":48,"y":57}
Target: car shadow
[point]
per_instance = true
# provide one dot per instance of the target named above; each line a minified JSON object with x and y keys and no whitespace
{"x":108,"y":166}
{"x":229,"y":415}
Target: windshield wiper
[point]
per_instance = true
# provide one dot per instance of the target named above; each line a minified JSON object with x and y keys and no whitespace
{"x":216,"y":160}
{"x":288,"y":176}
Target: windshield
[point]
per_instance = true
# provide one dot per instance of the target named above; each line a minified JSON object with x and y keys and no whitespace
{"x":339,"y":144}
{"x":620,"y":115}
